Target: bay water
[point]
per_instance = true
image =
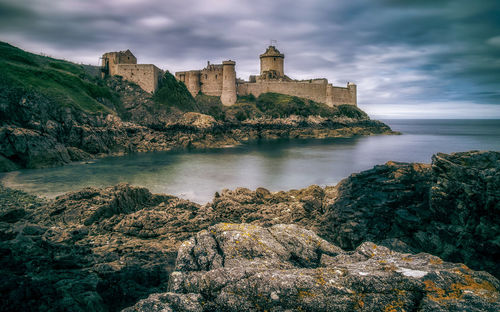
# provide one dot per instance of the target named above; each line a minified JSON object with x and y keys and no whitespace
{"x":276,"y":165}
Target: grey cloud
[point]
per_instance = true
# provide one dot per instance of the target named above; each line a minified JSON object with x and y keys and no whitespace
{"x":398,"y":51}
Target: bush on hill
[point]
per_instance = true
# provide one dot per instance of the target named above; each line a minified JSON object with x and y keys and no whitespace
{"x":173,"y":93}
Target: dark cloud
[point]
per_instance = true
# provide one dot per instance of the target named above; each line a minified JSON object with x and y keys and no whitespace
{"x":398,"y":51}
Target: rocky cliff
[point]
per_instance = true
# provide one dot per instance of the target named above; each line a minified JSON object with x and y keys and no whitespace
{"x":105,"y":249}
{"x":53,"y":112}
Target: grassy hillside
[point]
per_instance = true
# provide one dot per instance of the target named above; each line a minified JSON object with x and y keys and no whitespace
{"x":62,"y":82}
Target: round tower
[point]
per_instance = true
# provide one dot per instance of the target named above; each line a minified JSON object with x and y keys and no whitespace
{"x":228,"y":96}
{"x":272,"y":62}
{"x":193,"y":82}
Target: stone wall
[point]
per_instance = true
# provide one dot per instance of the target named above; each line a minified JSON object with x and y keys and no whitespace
{"x":312,"y":91}
{"x":191,"y":79}
{"x":211,"y":79}
{"x":317,"y":90}
{"x":144,"y":75}
{"x":110,"y":60}
{"x":340,"y":95}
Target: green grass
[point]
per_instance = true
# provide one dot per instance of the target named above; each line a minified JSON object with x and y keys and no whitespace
{"x":61,"y":82}
{"x":173,"y":93}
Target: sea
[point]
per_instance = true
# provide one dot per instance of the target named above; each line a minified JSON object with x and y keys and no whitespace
{"x":275,"y":165}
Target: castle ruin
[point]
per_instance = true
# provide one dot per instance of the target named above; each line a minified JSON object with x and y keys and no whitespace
{"x":220,"y":80}
{"x":124,"y":64}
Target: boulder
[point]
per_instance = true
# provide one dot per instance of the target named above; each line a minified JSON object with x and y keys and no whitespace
{"x":241,"y":267}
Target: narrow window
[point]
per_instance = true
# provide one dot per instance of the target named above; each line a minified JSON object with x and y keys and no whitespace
{"x":206,"y":76}
{"x":215,"y":76}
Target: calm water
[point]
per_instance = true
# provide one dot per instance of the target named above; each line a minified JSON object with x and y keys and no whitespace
{"x":275,"y":165}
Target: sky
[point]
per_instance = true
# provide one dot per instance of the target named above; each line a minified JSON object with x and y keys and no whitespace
{"x":409,"y":58}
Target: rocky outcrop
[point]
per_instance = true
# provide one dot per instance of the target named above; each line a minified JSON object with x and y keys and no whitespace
{"x":240,"y":267}
{"x":93,"y":250}
{"x":105,"y":249}
{"x":35,"y":132}
{"x":450,"y":208}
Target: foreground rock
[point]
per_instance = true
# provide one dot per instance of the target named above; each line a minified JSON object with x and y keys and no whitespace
{"x":105,"y":249}
{"x":93,"y":250}
{"x":450,"y":208}
{"x":240,"y":267}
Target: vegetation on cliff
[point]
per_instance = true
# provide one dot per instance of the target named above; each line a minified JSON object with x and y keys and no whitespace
{"x":173,"y":93}
{"x":64,"y":83}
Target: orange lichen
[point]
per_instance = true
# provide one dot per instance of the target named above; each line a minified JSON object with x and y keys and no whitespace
{"x":398,"y":304}
{"x":457,"y":291}
{"x":359,"y":301}
{"x":305,"y":294}
{"x":435,"y":260}
{"x":319,"y":278}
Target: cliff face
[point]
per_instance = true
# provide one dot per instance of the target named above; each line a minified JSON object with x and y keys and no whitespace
{"x":104,"y":249}
{"x":53,"y":112}
{"x":40,"y":133}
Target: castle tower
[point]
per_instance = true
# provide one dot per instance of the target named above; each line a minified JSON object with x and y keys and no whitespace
{"x":193,"y":82}
{"x":351,"y":86}
{"x":228,"y":96}
{"x":271,"y":63}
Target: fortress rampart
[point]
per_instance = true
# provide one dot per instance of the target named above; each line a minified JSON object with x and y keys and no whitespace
{"x":220,"y":79}
{"x":217,"y":80}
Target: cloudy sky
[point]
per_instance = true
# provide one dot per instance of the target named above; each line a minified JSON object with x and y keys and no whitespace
{"x":410,"y":58}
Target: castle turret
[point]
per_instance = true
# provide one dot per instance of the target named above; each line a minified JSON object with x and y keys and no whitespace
{"x":271,"y":63}
{"x":228,"y":96}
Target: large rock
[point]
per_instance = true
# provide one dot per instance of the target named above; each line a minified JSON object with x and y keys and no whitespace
{"x":450,"y":209}
{"x":30,"y":149}
{"x":240,"y":267}
{"x":92,"y":250}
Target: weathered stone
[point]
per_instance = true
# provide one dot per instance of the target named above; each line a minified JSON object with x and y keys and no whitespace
{"x":287,"y":268}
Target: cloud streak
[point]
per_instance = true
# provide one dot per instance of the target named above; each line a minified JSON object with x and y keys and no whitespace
{"x":399,"y":52}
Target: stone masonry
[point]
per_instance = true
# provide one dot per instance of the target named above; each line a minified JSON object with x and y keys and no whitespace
{"x":124,"y":64}
{"x":220,"y":80}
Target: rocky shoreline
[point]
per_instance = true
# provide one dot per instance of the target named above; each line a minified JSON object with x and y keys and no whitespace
{"x":356,"y":245}
{"x":37,"y":132}
{"x":50,"y":143}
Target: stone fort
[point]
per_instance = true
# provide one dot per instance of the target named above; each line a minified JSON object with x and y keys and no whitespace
{"x":124,"y":64}
{"x":220,"y":79}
